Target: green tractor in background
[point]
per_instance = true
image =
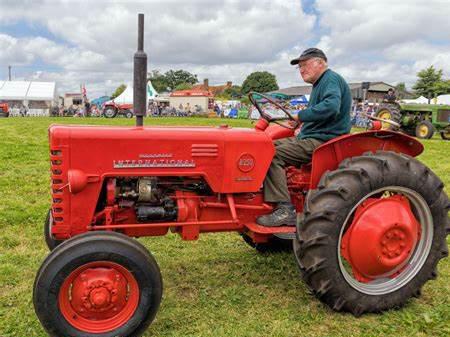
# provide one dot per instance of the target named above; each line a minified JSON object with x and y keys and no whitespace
{"x":420,"y":120}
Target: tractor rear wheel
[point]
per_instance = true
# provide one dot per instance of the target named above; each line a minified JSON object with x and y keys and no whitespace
{"x":390,"y":112}
{"x":49,"y":240}
{"x":99,"y":283}
{"x":373,"y":232}
{"x":274,"y":245}
{"x":424,"y":130}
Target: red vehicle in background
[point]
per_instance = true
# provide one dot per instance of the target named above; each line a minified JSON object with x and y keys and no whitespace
{"x":4,"y":110}
{"x":111,"y":110}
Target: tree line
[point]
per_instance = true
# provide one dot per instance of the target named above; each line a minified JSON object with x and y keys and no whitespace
{"x":430,"y":83}
{"x":259,"y":81}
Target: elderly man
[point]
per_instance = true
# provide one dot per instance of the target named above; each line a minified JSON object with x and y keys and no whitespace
{"x":326,"y":117}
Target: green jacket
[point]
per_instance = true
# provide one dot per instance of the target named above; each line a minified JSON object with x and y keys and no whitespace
{"x":328,"y":113}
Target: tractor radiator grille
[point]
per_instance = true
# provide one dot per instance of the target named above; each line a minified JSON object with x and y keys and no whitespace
{"x":204,"y":150}
{"x":59,"y":185}
{"x":443,"y":116}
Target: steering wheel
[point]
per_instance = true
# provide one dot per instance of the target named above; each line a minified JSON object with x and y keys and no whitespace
{"x":388,"y":121}
{"x":271,"y":119}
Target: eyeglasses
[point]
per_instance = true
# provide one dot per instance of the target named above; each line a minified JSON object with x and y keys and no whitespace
{"x":306,"y":63}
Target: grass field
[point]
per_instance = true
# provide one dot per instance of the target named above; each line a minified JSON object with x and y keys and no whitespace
{"x":216,"y":286}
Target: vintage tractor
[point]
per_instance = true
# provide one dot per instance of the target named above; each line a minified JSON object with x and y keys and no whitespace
{"x":111,"y":110}
{"x":372,"y":219}
{"x":420,"y":120}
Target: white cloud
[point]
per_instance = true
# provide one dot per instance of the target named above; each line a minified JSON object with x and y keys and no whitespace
{"x":227,"y":39}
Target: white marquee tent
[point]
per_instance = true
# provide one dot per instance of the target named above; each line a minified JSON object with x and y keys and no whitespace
{"x":419,"y":100}
{"x":126,"y":97}
{"x":37,"y":97}
{"x":442,"y":99}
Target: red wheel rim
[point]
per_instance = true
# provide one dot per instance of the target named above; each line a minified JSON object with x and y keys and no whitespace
{"x":99,"y":297}
{"x":381,"y":238}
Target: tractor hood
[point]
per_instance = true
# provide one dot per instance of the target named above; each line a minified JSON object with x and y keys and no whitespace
{"x":231,"y":160}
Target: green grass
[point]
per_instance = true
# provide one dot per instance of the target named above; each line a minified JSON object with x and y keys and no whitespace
{"x":216,"y":286}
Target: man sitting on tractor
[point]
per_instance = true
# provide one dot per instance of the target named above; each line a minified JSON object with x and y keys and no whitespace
{"x":326,"y":117}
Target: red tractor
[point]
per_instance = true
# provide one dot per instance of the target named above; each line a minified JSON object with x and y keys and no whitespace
{"x":111,"y":110}
{"x":372,"y":219}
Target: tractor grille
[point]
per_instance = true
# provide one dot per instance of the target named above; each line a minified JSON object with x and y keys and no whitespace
{"x":204,"y":150}
{"x":59,"y":186}
{"x":443,"y":116}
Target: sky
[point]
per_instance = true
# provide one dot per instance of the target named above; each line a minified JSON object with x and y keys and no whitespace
{"x":77,"y":42}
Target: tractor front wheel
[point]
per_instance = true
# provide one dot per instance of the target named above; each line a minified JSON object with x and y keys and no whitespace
{"x":110,"y":112}
{"x":98,"y":283}
{"x":424,"y":130}
{"x":373,"y":233}
{"x":49,"y":240}
{"x":445,"y":134}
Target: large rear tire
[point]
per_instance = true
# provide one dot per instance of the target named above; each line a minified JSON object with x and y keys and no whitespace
{"x":390,"y":112}
{"x":100,"y":284}
{"x":353,"y":267}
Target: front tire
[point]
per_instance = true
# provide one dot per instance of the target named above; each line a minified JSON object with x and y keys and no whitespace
{"x":110,"y":112}
{"x":424,"y":130}
{"x":98,"y":283}
{"x":353,"y":267}
{"x":49,"y":240}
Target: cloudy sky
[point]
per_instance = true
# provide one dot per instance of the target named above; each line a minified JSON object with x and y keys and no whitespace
{"x":93,"y":42}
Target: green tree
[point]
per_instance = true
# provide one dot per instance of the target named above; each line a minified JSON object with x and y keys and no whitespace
{"x":174,"y":78}
{"x":120,"y":89}
{"x":234,"y":91}
{"x":442,"y":88}
{"x":171,"y":79}
{"x":427,"y":81}
{"x":158,"y":80}
{"x":400,"y":88}
{"x":183,"y":86}
{"x":259,"y":81}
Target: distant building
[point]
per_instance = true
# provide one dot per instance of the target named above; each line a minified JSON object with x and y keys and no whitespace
{"x":190,"y":98}
{"x":375,"y":93}
{"x":214,"y":89}
{"x":72,"y":99}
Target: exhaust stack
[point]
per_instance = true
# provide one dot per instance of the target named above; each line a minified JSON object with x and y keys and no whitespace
{"x":140,"y":76}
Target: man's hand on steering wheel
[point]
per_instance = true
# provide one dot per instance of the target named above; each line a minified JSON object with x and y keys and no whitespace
{"x":292,"y":121}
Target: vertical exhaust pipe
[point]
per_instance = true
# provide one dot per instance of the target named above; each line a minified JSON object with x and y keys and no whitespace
{"x":140,"y":76}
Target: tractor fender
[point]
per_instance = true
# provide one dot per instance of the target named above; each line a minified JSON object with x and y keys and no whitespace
{"x":328,"y":156}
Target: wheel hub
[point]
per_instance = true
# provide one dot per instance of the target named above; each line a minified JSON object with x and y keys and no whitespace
{"x":98,"y":293}
{"x":381,"y":238}
{"x":99,"y":297}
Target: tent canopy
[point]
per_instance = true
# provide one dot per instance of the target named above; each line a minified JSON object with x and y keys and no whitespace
{"x":419,"y":100}
{"x":26,"y":90}
{"x":126,"y":97}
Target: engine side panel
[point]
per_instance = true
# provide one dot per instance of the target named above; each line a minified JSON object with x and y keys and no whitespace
{"x":230,"y":160}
